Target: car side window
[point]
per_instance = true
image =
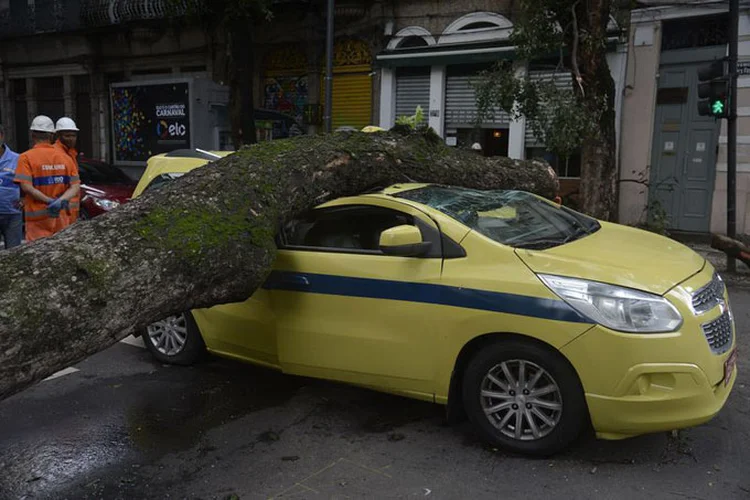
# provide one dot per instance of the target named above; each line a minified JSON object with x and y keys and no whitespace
{"x":355,"y":229}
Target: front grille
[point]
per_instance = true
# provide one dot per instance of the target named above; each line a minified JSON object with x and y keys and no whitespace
{"x":709,"y":296}
{"x":719,"y":333}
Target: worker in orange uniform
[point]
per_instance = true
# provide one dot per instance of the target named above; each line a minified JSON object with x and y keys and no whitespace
{"x":67,"y":138}
{"x":48,"y":179}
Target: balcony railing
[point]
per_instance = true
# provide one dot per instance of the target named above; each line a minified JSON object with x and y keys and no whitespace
{"x":29,"y":17}
{"x":108,"y":12}
{"x":24,"y":17}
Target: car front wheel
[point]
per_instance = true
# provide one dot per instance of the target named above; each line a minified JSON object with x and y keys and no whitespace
{"x":175,"y":340}
{"x":524,"y":397}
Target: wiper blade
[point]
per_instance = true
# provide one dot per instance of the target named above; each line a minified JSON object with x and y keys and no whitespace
{"x":542,"y":244}
{"x":552,"y":242}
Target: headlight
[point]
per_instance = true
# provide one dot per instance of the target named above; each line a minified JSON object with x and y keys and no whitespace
{"x":618,"y":308}
{"x":106,"y":204}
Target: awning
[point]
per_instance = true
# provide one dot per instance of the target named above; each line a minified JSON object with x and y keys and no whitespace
{"x":445,"y":56}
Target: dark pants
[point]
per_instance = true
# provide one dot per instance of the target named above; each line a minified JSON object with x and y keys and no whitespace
{"x":11,"y":228}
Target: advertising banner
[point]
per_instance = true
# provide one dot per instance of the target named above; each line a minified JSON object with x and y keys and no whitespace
{"x":149,"y":119}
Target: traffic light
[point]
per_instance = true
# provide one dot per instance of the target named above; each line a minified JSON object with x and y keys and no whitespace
{"x":713,"y":90}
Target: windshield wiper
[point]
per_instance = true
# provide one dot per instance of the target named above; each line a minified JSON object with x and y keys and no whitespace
{"x":544,"y":243}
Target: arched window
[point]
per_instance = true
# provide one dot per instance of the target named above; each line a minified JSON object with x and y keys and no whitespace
{"x":413,"y":42}
{"x":477,"y":27}
{"x":411,"y":37}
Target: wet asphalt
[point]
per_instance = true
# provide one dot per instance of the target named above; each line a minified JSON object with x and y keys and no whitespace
{"x":123,"y":426}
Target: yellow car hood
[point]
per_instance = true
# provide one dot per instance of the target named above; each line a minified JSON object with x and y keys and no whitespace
{"x":619,"y":255}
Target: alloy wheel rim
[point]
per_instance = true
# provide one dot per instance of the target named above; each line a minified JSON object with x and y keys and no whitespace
{"x":169,"y":335}
{"x":521,"y":400}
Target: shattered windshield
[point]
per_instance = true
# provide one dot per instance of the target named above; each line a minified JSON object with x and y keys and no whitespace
{"x":513,"y":218}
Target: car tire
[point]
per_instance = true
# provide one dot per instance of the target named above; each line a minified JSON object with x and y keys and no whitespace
{"x":550,"y":395}
{"x":175,"y":340}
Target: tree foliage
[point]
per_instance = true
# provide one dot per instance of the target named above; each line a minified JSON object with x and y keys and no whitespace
{"x":571,"y":37}
{"x":414,"y":121}
{"x":558,"y":118}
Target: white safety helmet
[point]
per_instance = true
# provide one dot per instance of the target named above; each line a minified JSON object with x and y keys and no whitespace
{"x":42,"y":124}
{"x":476,"y":147}
{"x":65,"y":123}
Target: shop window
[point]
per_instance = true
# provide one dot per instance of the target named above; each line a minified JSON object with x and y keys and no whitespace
{"x":565,"y":168}
{"x":492,"y":141}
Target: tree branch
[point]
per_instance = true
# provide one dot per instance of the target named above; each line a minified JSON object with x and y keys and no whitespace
{"x":574,"y":49}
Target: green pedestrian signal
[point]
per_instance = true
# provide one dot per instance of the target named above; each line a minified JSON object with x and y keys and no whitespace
{"x":717,"y":108}
{"x":713,"y":90}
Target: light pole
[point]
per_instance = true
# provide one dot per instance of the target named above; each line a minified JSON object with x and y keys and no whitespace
{"x":327,"y":113}
{"x":734,"y":16}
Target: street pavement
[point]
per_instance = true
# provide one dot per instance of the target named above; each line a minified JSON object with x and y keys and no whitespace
{"x":122,"y":426}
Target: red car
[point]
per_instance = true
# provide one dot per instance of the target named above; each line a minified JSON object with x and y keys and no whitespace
{"x":103,"y":187}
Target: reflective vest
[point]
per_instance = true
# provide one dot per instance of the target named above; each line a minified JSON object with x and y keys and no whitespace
{"x":52,"y":173}
{"x":75,"y":202}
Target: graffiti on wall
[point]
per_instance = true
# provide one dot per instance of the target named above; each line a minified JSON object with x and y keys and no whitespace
{"x":287,"y":94}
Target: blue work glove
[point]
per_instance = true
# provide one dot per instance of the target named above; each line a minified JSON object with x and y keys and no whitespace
{"x":65,"y":205}
{"x":54,"y":207}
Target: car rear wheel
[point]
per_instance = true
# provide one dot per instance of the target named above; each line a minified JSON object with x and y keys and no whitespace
{"x":524,"y":397}
{"x":175,"y":340}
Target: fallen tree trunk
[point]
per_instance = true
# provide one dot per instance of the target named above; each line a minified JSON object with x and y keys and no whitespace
{"x":205,"y":239}
{"x":732,"y":248}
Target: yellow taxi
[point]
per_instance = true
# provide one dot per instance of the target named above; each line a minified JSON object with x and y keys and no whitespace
{"x":534,"y":321}
{"x":168,"y":166}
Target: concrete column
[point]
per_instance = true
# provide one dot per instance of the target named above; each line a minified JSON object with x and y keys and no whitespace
{"x":100,"y":117}
{"x":6,"y":108}
{"x":31,"y":104}
{"x":69,"y":96}
{"x":617,"y":62}
{"x":387,"y":98}
{"x":314,"y":89}
{"x":437,"y":100}
{"x":517,"y":132}
{"x":637,"y":119}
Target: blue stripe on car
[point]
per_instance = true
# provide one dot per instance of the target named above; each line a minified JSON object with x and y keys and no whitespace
{"x":426,"y":293}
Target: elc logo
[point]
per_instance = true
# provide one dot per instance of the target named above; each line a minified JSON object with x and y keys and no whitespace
{"x":166,"y":130}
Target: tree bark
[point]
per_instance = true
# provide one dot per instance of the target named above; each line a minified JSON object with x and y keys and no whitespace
{"x":207,"y":238}
{"x":598,"y":186}
{"x":732,"y":248}
{"x":242,"y":109}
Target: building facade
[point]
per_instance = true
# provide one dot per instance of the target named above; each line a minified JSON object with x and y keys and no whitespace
{"x":673,"y":161}
{"x":61,"y":57}
{"x":434,"y":62}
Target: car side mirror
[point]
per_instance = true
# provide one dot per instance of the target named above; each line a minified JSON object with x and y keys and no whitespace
{"x":403,"y":241}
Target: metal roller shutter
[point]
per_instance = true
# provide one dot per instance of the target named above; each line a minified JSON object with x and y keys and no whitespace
{"x":562,"y":80}
{"x":412,"y":90}
{"x":461,"y":103}
{"x":352,"y":100}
